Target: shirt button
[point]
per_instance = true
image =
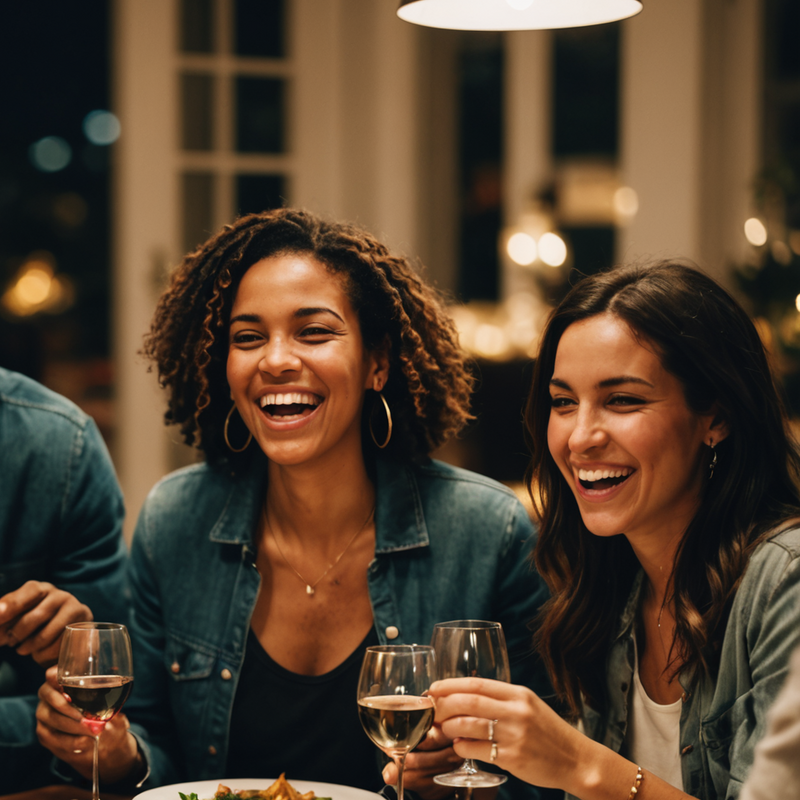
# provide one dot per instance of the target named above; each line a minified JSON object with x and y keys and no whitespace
{"x":392,"y":632}
{"x":212,"y":751}
{"x":176,"y":667}
{"x":226,"y":674}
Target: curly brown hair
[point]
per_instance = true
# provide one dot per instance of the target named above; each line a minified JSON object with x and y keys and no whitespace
{"x":429,"y":384}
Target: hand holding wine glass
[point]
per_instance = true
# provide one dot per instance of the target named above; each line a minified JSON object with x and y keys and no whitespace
{"x":392,"y":702}
{"x":95,"y":670}
{"x":469,"y":648}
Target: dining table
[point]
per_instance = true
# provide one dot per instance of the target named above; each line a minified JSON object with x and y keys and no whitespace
{"x":61,"y":793}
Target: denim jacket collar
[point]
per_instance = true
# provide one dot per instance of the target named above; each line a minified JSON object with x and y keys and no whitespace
{"x":399,"y":516}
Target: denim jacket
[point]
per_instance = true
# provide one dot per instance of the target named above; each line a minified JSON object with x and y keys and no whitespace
{"x":450,"y":544}
{"x":60,"y":521}
{"x":722,"y":719}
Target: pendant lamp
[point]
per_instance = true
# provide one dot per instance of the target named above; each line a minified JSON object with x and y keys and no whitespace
{"x":514,"y":15}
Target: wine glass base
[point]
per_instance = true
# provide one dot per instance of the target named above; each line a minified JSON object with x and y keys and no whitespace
{"x":472,"y":780}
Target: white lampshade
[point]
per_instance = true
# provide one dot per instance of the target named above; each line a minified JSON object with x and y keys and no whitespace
{"x":514,"y":15}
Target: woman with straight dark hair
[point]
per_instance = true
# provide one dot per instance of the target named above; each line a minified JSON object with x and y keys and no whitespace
{"x":665,"y":478}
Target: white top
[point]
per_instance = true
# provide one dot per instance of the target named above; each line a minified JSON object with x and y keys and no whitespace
{"x":654,"y":734}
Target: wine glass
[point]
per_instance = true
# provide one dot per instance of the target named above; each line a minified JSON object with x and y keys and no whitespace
{"x":95,"y":670}
{"x":469,"y":648}
{"x":393,"y":705}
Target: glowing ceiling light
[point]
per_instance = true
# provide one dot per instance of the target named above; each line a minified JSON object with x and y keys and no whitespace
{"x":755,"y":231}
{"x":552,"y":250}
{"x":521,"y":249}
{"x":797,"y":302}
{"x":514,"y":15}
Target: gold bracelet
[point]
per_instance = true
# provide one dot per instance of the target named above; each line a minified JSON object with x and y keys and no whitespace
{"x":637,"y":783}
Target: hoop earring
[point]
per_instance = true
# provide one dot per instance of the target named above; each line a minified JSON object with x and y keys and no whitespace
{"x":225,"y":434}
{"x":388,"y":421}
{"x":713,"y":465}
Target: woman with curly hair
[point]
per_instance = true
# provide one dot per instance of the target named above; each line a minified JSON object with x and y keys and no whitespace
{"x":316,"y":372}
{"x":667,"y":484}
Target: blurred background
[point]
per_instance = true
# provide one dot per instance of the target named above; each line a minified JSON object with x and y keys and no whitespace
{"x":509,"y":163}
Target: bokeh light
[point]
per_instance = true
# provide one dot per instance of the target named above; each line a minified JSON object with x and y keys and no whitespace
{"x":522,"y":249}
{"x":101,"y":127}
{"x":37,"y":288}
{"x":755,"y":231}
{"x":552,"y":249}
{"x":626,"y":203}
{"x":50,"y":154}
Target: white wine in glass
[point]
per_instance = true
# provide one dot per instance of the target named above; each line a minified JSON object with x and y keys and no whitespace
{"x":393,"y":705}
{"x":95,"y":670}
{"x":470,"y":648}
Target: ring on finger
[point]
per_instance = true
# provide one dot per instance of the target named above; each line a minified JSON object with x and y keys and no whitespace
{"x":493,"y":753}
{"x":492,"y":723}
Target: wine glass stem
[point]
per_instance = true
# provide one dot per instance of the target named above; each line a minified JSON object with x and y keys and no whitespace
{"x":400,"y":760}
{"x":96,"y":769}
{"x":469,"y":766}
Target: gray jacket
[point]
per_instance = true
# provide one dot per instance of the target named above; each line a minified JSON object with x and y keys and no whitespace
{"x":722,"y":719}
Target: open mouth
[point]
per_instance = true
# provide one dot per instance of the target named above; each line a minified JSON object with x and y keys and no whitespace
{"x":603,"y":478}
{"x":289,"y":405}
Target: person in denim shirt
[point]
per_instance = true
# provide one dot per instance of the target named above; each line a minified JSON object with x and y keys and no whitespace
{"x":667,"y":482}
{"x":62,"y":556}
{"x":316,"y":372}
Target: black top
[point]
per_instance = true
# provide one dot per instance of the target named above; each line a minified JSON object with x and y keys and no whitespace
{"x":304,"y":725}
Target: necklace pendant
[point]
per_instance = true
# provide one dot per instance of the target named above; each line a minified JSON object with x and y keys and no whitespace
{"x":309,"y":590}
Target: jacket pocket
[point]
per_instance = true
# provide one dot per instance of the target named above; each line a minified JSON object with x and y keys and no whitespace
{"x":189,"y":666}
{"x":717,"y":736}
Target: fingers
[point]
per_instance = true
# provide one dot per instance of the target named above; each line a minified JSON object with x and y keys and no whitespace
{"x":45,"y":643}
{"x":500,"y":690}
{"x":435,"y":740}
{"x":15,"y":603}
{"x":58,"y":713}
{"x":33,"y":618}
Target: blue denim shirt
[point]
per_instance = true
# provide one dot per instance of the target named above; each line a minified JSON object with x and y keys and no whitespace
{"x":450,"y":544}
{"x":60,"y":521}
{"x":722,"y":719}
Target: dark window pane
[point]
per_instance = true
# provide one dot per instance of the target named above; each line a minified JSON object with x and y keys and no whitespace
{"x":260,"y":193}
{"x":197,"y":108}
{"x":198,"y":208}
{"x":260,"y":28}
{"x":259,"y":115}
{"x":196,"y":26}
{"x":586,"y":92}
{"x":480,"y":86}
{"x":787,"y":34}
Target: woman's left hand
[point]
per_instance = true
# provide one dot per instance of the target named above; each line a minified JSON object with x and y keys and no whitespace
{"x":531,"y":740}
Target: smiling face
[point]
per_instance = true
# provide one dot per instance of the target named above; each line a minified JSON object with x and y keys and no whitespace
{"x":297,"y":367}
{"x":631,"y":450}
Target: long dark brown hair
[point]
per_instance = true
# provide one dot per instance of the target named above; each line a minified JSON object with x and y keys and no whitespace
{"x":429,"y":385}
{"x":707,"y":341}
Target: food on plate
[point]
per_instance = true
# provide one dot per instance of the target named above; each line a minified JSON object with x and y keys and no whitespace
{"x":280,"y":790}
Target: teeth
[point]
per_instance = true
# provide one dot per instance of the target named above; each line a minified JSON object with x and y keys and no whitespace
{"x":592,"y":475}
{"x":288,"y":398}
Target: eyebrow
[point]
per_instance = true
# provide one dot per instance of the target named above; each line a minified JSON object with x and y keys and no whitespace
{"x":299,"y":314}
{"x":608,"y":382}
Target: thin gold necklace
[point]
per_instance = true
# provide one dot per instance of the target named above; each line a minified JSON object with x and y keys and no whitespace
{"x":311,"y":587}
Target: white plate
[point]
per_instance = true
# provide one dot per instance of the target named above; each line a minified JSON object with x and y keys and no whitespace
{"x":206,"y":789}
